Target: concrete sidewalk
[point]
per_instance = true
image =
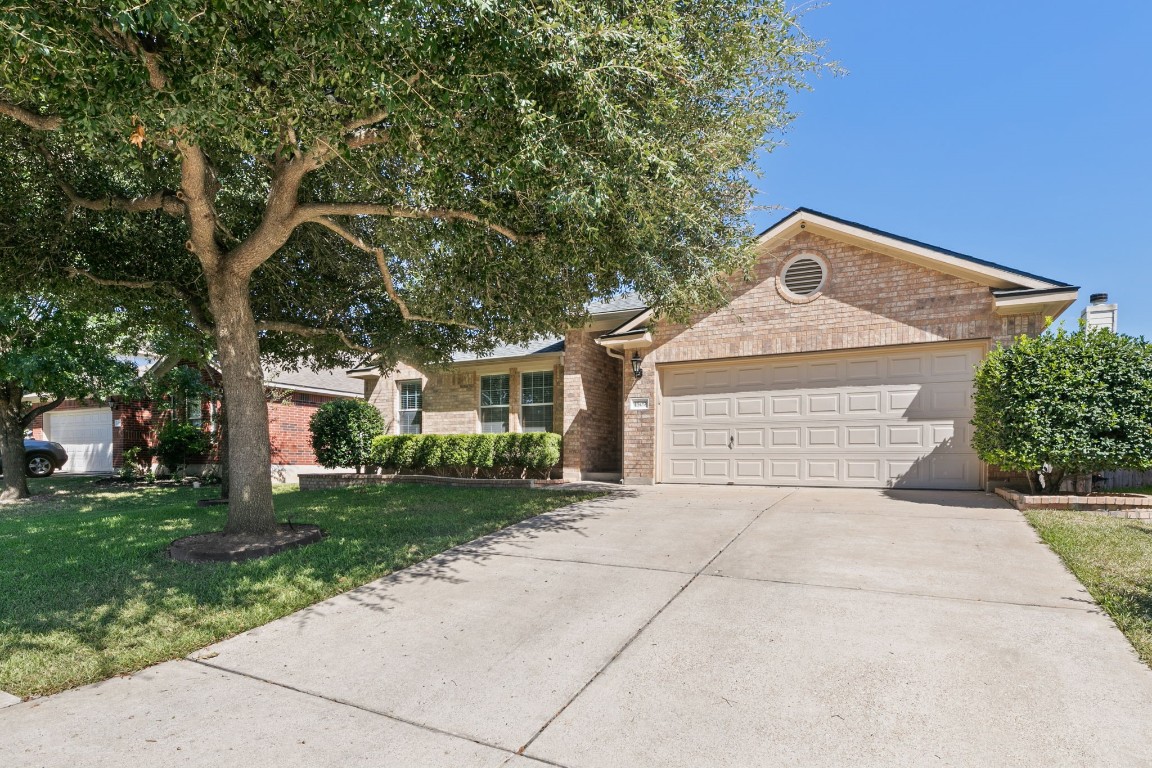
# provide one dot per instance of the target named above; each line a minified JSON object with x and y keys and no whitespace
{"x":676,"y":626}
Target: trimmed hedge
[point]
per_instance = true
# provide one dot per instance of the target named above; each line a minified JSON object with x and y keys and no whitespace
{"x":466,"y":455}
{"x":342,"y":432}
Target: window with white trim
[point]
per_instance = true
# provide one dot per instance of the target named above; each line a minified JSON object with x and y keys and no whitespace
{"x":536,"y":401}
{"x":411,"y":407}
{"x":494,"y":403}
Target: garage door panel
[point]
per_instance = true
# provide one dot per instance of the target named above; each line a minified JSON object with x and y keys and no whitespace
{"x":864,"y":403}
{"x":822,"y":469}
{"x":864,"y":370}
{"x":714,"y":438}
{"x":749,"y":406}
{"x":752,"y":438}
{"x":86,"y":435}
{"x":823,"y":404}
{"x":787,"y":437}
{"x":862,"y":470}
{"x":784,"y":405}
{"x":782,"y":470}
{"x":750,"y":469}
{"x":897,"y":419}
{"x":823,"y":437}
{"x":714,"y":408}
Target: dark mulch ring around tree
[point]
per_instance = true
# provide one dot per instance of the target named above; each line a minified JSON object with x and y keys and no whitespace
{"x":219,"y":547}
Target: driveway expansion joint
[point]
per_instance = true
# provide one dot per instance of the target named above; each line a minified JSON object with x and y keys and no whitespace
{"x":369,"y":710}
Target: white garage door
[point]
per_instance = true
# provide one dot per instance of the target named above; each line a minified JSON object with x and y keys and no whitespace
{"x":882,"y":418}
{"x":86,"y":435}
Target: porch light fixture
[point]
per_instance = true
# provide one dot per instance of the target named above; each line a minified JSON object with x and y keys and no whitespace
{"x":636,"y":365}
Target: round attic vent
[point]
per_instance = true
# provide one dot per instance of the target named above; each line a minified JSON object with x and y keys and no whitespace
{"x":803,"y":276}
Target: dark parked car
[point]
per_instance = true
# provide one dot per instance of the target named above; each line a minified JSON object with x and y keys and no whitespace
{"x":42,"y":458}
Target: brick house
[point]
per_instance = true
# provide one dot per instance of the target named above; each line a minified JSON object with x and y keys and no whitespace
{"x":96,"y":434}
{"x":846,"y":360}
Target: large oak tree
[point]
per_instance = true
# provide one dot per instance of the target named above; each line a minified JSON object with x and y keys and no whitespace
{"x":399,"y":177}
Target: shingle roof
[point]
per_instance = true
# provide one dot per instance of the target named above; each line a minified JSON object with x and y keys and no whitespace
{"x":331,"y":380}
{"x":621,"y":303}
{"x":539,"y":346}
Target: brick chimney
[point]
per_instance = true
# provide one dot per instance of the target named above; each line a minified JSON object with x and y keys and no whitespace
{"x":1099,"y":313}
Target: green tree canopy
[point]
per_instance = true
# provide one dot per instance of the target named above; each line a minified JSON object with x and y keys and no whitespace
{"x":51,"y":351}
{"x":1065,"y":403}
{"x":403,"y":178}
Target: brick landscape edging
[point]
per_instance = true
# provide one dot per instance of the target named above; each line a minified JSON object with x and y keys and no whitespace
{"x":1132,"y":507}
{"x":328,"y":482}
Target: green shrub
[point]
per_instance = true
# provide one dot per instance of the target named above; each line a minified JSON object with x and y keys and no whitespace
{"x":540,"y":451}
{"x":482,"y":451}
{"x":404,"y":454}
{"x":1065,"y":403}
{"x":454,"y":453}
{"x":485,"y":455}
{"x":342,"y":433}
{"x":178,"y":442}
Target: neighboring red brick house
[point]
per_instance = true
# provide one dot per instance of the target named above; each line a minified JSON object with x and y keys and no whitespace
{"x":96,"y":434}
{"x":846,"y":360}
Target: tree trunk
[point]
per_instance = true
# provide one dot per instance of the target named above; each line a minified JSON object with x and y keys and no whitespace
{"x":222,"y":446}
{"x":12,"y":444}
{"x":249,"y":451}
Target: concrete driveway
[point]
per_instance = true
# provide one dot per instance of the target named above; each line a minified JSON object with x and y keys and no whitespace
{"x":673,"y":626}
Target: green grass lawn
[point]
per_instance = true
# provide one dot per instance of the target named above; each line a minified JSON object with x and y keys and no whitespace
{"x":1112,"y":557}
{"x":87,"y":593}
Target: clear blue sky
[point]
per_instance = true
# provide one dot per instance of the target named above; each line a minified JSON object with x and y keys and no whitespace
{"x":1015,"y":132}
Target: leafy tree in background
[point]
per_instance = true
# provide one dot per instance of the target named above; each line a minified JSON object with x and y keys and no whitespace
{"x":1065,"y":403}
{"x":52,"y":351}
{"x":407,"y":178}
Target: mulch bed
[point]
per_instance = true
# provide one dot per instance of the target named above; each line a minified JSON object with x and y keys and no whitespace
{"x":232,"y":548}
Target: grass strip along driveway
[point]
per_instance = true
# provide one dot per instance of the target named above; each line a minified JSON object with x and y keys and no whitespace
{"x":1112,"y":557}
{"x":86,"y":591}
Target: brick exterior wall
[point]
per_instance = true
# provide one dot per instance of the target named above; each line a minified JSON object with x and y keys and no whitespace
{"x":451,"y":397}
{"x":593,"y":435}
{"x":288,"y":417}
{"x":869,"y":300}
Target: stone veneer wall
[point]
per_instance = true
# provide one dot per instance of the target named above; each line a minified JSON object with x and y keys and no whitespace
{"x":869,"y":300}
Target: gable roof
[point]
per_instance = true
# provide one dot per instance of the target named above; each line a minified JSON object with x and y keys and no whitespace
{"x":330,"y":381}
{"x":541,"y":346}
{"x":977,"y":270}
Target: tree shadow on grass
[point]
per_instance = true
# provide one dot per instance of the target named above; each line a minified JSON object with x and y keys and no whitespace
{"x":89,"y":592}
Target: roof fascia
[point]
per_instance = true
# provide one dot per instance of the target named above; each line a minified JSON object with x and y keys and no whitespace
{"x":922,"y":255}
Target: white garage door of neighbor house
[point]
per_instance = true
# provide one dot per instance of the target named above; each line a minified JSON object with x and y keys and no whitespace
{"x":881,"y":418}
{"x":86,"y":435}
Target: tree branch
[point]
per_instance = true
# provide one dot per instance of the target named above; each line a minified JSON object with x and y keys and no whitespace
{"x":197,"y":197}
{"x":304,"y":330}
{"x":30,"y":417}
{"x":199,"y":319}
{"x":157,"y":201}
{"x":382,"y":263}
{"x":156,"y":77}
{"x":314,"y":212}
{"x":31,"y":119}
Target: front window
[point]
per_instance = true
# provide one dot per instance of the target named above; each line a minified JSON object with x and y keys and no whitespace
{"x":494,"y":403}
{"x":411,"y":407}
{"x":536,"y":401}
